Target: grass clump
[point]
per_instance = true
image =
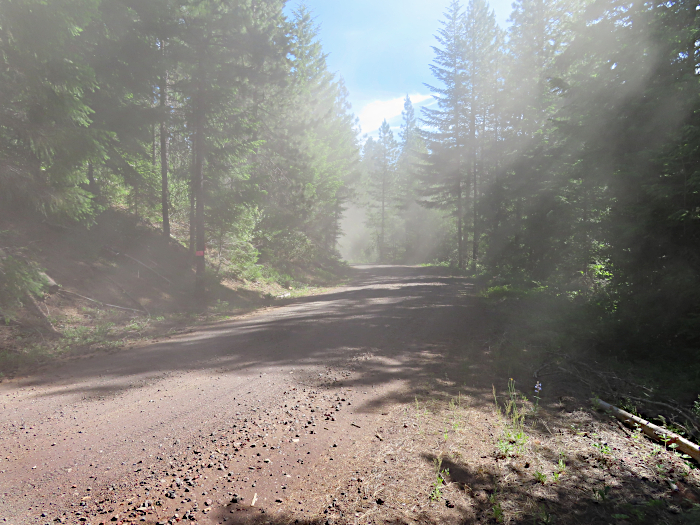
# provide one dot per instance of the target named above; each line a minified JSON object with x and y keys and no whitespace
{"x":514,"y":438}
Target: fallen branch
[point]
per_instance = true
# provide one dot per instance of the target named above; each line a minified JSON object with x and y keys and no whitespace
{"x":536,"y":373}
{"x":133,"y":299}
{"x":115,"y":252}
{"x":652,"y":430}
{"x":148,"y":267}
{"x":673,"y":411}
{"x":100,"y":302}
{"x":689,"y":419}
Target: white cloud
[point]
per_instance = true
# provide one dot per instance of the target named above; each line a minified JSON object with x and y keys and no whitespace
{"x":373,"y":114}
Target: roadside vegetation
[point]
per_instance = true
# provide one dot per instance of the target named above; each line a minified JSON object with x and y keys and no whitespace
{"x":533,"y":452}
{"x":78,"y":290}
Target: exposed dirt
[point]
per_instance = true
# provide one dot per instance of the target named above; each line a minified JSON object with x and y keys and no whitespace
{"x":119,"y":281}
{"x":340,"y":408}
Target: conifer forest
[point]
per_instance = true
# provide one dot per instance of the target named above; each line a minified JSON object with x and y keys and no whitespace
{"x":561,"y":154}
{"x":187,"y":161}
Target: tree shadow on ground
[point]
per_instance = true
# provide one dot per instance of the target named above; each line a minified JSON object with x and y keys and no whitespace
{"x":430,"y":333}
{"x":409,"y":318}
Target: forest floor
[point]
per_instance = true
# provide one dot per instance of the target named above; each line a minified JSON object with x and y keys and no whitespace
{"x":389,"y":400}
{"x":119,"y":283}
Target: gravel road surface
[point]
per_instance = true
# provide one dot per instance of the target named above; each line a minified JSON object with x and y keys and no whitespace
{"x":234,"y":423}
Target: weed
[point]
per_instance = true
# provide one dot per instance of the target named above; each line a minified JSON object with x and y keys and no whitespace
{"x":637,"y":434}
{"x":561,"y":468}
{"x":603,"y":448}
{"x":601,"y":494}
{"x":514,"y":437}
{"x":544,"y":516}
{"x":504,"y":447}
{"x":496,"y":507}
{"x":440,"y":480}
{"x":540,"y":477}
{"x":538,"y":389}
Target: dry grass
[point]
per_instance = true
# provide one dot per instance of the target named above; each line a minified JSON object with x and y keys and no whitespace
{"x":571,"y":464}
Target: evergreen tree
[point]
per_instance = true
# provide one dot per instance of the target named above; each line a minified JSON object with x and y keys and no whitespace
{"x":231,"y":49}
{"x":309,"y":157}
{"x":44,"y":117}
{"x":482,"y":40}
{"x":446,"y":169}
{"x":381,"y":156}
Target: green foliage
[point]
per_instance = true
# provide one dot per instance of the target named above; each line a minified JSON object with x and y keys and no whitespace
{"x":440,"y":480}
{"x":245,"y":102}
{"x":514,"y":437}
{"x":18,"y":277}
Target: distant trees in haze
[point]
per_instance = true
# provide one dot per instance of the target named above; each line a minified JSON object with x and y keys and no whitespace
{"x":564,"y":153}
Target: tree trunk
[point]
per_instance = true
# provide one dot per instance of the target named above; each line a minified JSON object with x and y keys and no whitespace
{"x":475,"y":234}
{"x":381,"y":239}
{"x":192,"y":196}
{"x":164,"y":152}
{"x":460,"y":240}
{"x":92,"y":185}
{"x":136,"y":197}
{"x":475,"y":229}
{"x":199,"y":120}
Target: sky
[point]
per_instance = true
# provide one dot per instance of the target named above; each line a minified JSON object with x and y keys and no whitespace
{"x":382,"y":49}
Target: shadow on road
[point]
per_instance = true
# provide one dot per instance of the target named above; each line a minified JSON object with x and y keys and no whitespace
{"x":405,"y":320}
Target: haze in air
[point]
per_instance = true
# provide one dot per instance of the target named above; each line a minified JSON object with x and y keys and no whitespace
{"x":382,"y":205}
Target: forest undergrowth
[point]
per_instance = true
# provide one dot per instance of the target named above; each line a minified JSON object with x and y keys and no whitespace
{"x":559,"y":336}
{"x":529,"y":451}
{"x":118,"y":284}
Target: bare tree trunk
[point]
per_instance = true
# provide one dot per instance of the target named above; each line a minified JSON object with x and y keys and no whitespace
{"x":460,"y":212}
{"x":199,"y":120}
{"x":192,"y":196}
{"x":165,"y":206}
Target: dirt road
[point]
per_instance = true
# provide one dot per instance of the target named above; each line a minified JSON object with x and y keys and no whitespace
{"x":232,"y":422}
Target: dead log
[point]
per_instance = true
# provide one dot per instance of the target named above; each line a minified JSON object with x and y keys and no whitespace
{"x":652,"y":430}
{"x":31,"y":305}
{"x":50,"y":285}
{"x":101,"y":303}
